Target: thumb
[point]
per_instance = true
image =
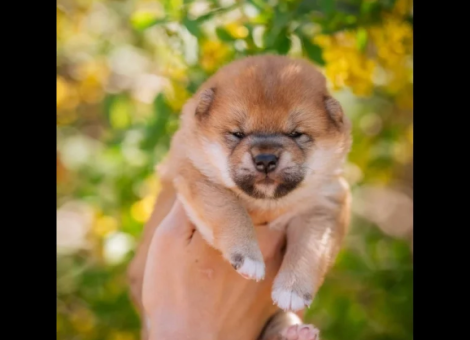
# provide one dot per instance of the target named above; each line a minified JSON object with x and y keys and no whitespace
{"x":176,"y":223}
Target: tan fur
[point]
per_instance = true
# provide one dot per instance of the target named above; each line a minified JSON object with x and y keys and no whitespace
{"x":213,"y":172}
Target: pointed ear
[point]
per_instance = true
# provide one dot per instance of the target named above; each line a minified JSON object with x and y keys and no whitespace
{"x":206,"y":97}
{"x":334,"y":109}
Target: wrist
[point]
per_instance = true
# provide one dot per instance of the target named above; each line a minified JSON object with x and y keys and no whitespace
{"x":181,"y":335}
{"x":185,"y":332}
{"x":175,"y":326}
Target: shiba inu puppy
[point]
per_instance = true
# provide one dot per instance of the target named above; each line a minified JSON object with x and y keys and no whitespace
{"x":263,"y":142}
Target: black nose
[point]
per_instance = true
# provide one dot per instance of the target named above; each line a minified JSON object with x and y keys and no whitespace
{"x":265,"y":162}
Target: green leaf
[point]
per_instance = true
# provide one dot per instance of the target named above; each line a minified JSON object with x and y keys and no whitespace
{"x":259,"y":4}
{"x":223,"y":34}
{"x":307,"y":6}
{"x":192,"y":26}
{"x":156,"y":129}
{"x":327,"y":6}
{"x":211,"y":14}
{"x":174,"y":8}
{"x":361,"y":39}
{"x":283,"y":43}
{"x":313,"y":51}
{"x":261,"y":19}
{"x":409,"y":19}
{"x":348,"y":8}
{"x":279,"y":24}
{"x":143,"y":20}
{"x":119,"y":116}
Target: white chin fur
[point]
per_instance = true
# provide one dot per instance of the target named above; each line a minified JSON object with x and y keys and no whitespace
{"x":266,"y":189}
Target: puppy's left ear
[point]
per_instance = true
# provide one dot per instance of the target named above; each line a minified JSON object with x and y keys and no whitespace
{"x":205,"y":100}
{"x":334,"y":109}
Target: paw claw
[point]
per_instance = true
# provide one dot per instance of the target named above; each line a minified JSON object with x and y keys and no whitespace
{"x":248,"y":268}
{"x":289,"y":301}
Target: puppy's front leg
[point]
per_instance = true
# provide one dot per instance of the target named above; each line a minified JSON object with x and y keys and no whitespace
{"x":223,"y":222}
{"x":313,"y":241}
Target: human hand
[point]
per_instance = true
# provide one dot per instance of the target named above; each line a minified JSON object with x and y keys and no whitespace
{"x":191,"y":292}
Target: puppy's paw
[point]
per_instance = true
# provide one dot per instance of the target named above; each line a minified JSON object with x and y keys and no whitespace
{"x":248,"y":267}
{"x":292,"y":291}
{"x":300,"y":332}
{"x":290,"y":300}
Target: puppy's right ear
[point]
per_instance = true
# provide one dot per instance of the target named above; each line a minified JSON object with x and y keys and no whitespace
{"x":205,"y":99}
{"x":334,"y":109}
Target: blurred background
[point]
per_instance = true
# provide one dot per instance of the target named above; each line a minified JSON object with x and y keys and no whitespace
{"x":124,"y":70}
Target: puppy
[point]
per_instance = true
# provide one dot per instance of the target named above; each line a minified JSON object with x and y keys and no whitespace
{"x":263,"y":142}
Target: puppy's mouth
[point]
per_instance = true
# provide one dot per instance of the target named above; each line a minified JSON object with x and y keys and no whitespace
{"x":267,"y":180}
{"x":265,"y":186}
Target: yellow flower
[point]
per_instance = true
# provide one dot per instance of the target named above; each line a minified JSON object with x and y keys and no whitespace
{"x":92,"y":75}
{"x":345,"y":64}
{"x":141,"y":210}
{"x":90,"y":90}
{"x":172,"y":66}
{"x":237,"y":30}
{"x":104,"y":225}
{"x":409,"y":134}
{"x":67,"y":97}
{"x":394,"y":46}
{"x":214,"y":53}
{"x":392,"y":42}
{"x":96,"y":70}
{"x":179,"y":74}
{"x":323,"y":40}
{"x":176,"y":95}
{"x":62,"y":91}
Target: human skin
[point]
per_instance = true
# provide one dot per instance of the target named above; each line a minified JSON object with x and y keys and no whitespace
{"x":191,"y":292}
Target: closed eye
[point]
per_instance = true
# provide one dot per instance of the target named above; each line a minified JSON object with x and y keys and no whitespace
{"x":295,"y":134}
{"x":239,"y":135}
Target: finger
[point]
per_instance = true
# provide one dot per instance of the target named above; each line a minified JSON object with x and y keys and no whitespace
{"x":270,"y":241}
{"x":198,"y":243}
{"x":166,"y":246}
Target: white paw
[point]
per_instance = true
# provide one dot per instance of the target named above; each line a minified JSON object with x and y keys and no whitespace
{"x":288,"y":300}
{"x":252,"y":269}
{"x":301,"y":332}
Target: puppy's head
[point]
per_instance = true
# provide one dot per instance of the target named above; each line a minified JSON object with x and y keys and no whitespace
{"x":267,"y":122}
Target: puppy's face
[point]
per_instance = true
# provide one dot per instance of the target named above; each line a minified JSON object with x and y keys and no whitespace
{"x":266,"y":123}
